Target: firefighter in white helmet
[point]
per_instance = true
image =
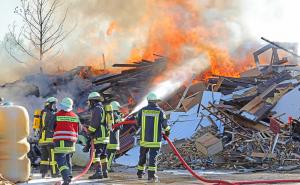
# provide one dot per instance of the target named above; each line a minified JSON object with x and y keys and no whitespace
{"x":152,"y":121}
{"x":66,"y":128}
{"x":114,"y":135}
{"x":98,"y":130}
{"x":46,"y":138}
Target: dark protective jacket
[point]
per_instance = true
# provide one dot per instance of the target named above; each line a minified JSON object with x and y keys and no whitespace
{"x":98,"y":127}
{"x":114,"y":135}
{"x":47,"y":126}
{"x":152,"y":120}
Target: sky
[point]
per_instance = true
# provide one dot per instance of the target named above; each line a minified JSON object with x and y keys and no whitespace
{"x":7,"y":15}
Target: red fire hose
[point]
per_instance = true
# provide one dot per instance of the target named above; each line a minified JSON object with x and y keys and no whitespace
{"x":203,"y":179}
{"x":219,"y":182}
{"x":190,"y":169}
{"x":86,"y":169}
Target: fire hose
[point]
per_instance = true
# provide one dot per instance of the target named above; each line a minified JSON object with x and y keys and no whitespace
{"x":192,"y":172}
{"x":203,"y":179}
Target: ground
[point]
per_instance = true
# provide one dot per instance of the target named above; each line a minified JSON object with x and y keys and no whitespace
{"x":171,"y":177}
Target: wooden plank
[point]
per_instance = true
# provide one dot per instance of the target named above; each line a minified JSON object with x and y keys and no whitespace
{"x":191,"y":101}
{"x":218,"y":85}
{"x":262,"y":155}
{"x":209,"y":144}
{"x":258,"y":100}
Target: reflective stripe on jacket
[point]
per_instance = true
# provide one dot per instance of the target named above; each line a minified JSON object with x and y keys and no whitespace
{"x":152,"y":121}
{"x":114,"y":136}
{"x":66,"y":126}
{"x":64,"y":146}
{"x":47,"y":126}
{"x":98,"y":127}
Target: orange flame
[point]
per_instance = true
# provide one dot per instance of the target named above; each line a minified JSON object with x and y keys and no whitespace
{"x":112,"y":27}
{"x":179,"y":25}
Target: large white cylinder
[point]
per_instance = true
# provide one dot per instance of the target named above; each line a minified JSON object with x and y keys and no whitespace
{"x":14,"y":130}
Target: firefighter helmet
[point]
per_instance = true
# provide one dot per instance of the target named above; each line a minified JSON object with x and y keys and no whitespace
{"x":51,"y":100}
{"x":95,"y":96}
{"x":67,"y":104}
{"x":152,"y":97}
{"x":115,"y":105}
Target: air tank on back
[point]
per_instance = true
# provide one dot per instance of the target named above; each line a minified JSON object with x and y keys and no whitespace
{"x":14,"y":130}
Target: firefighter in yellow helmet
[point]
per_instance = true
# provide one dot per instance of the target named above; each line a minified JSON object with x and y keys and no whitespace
{"x":114,"y":135}
{"x":152,"y":121}
{"x":98,"y":130}
{"x":46,"y":138}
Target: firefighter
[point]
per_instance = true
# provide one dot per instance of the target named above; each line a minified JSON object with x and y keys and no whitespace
{"x":65,"y":136}
{"x":152,"y":120}
{"x":114,"y":140}
{"x":98,"y":131}
{"x":46,"y":138}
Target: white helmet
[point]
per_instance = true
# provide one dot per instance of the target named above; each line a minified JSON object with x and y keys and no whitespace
{"x":115,"y":105}
{"x":95,"y":96}
{"x":152,"y":97}
{"x":51,"y":100}
{"x":67,"y":104}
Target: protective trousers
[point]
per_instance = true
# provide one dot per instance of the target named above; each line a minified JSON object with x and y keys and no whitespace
{"x":48,"y":160}
{"x":64,"y":163}
{"x":111,"y":153}
{"x":100,"y":159}
{"x":152,"y":166}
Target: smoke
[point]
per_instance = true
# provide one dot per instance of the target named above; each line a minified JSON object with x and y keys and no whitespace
{"x":32,"y":91}
{"x":175,"y":78}
{"x":276,"y":20}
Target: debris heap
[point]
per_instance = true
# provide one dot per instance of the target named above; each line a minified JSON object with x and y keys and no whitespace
{"x":253,"y":120}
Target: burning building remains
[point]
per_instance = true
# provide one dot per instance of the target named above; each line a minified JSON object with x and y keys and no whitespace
{"x":249,"y":121}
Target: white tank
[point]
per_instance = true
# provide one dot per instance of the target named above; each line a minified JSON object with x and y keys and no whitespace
{"x":14,"y":130}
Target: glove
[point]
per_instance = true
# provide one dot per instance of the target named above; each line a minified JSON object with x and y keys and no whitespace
{"x":167,"y":133}
{"x":86,"y":148}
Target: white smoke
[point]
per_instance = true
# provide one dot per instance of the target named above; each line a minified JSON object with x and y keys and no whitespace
{"x":175,"y":78}
{"x":276,"y":20}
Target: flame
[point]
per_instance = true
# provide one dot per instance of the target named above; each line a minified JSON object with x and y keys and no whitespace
{"x":112,"y":27}
{"x":179,"y":26}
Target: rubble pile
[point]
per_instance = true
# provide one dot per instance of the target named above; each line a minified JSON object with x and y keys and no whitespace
{"x":128,"y":86}
{"x":254,"y":120}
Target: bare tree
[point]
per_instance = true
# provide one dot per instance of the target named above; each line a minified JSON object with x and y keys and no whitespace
{"x":40,"y":34}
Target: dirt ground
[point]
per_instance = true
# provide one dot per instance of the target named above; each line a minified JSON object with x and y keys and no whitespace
{"x":178,"y":177}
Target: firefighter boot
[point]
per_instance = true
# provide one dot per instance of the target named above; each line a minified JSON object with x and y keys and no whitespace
{"x":140,"y":174}
{"x":98,"y":173}
{"x":104,"y":169}
{"x":67,"y":178}
{"x":152,"y":178}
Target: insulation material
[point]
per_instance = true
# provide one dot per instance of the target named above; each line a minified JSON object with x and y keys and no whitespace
{"x":184,"y":124}
{"x":80,"y":158}
{"x":288,"y":105}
